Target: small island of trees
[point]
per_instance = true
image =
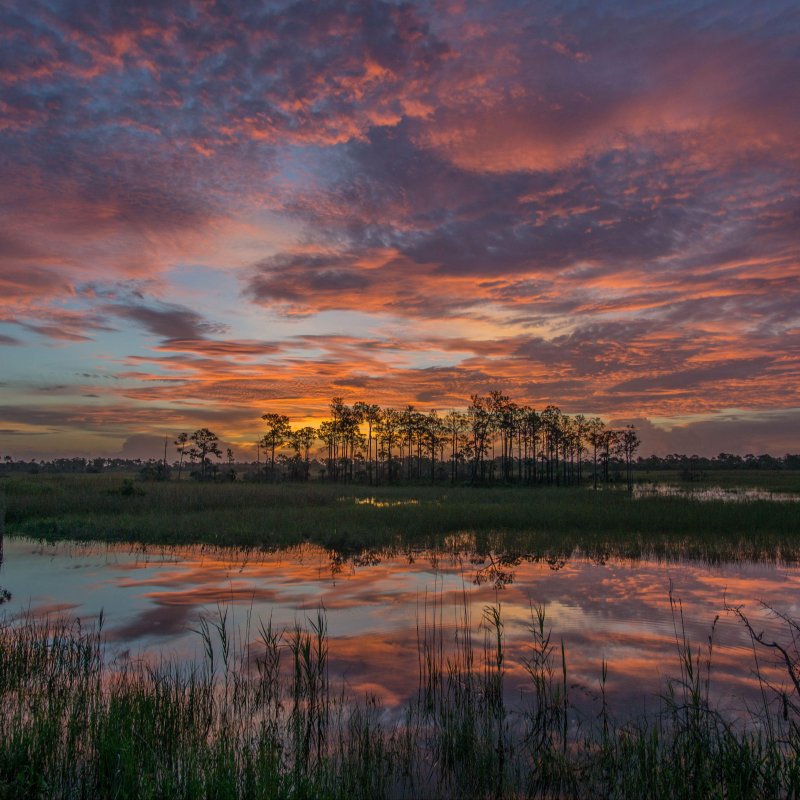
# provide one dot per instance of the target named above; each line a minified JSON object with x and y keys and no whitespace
{"x":493,"y":440}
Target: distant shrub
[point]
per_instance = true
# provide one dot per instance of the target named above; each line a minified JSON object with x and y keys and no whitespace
{"x":128,"y":489}
{"x":155,"y":471}
{"x":692,"y":475}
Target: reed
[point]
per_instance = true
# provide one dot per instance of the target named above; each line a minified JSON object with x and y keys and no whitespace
{"x":262,"y":718}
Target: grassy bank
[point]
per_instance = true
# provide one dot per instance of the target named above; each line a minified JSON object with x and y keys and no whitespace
{"x":264,"y":720}
{"x":350,"y":518}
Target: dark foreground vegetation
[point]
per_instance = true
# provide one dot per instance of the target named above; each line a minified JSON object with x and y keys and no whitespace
{"x":263,"y":720}
{"x":348,"y":519}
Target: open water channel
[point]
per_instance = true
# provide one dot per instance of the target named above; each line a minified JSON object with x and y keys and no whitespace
{"x":379,"y":604}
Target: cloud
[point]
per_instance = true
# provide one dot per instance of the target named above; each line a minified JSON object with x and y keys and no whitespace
{"x":566,"y":88}
{"x":596,"y":207}
{"x":61,"y":325}
{"x":293,"y":279}
{"x":776,"y":433}
{"x":167,"y":321}
{"x":166,"y":619}
{"x":218,"y":349}
{"x":21,"y":282}
{"x":692,"y":378}
{"x":143,"y":446}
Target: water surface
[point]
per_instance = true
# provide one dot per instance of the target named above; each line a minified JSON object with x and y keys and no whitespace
{"x":735,"y":494}
{"x":378,"y":605}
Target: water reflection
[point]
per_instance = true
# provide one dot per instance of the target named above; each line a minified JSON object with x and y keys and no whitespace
{"x":379,"y":604}
{"x":713,"y":493}
{"x":378,"y":503}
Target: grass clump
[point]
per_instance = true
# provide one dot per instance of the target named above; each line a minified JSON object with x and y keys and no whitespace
{"x":262,"y":719}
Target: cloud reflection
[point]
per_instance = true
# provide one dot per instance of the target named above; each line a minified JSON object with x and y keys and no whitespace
{"x":379,"y":610}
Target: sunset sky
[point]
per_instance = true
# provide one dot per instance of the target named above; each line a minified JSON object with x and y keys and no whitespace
{"x":213,"y":210}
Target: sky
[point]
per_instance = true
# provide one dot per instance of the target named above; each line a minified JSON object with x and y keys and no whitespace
{"x":215,"y":210}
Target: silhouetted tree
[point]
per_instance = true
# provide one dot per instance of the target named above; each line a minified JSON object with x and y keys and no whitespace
{"x":532,"y":425}
{"x":551,"y":424}
{"x":433,"y":434}
{"x":180,"y":444}
{"x":596,"y":437}
{"x":581,"y":430}
{"x":204,"y":444}
{"x":371,"y":415}
{"x":493,"y":436}
{"x":276,"y":435}
{"x":609,"y":445}
{"x":327,"y":433}
{"x":629,"y":443}
{"x":301,"y":440}
{"x":388,"y":433}
{"x":455,"y":426}
{"x":479,"y":414}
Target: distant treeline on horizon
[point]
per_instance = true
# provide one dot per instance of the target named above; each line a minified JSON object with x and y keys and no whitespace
{"x":672,"y":461}
{"x":493,"y":440}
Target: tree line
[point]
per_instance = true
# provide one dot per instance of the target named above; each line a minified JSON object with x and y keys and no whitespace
{"x":671,"y":462}
{"x":493,"y":440}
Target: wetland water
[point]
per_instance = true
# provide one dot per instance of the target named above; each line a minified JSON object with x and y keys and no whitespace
{"x":378,"y":604}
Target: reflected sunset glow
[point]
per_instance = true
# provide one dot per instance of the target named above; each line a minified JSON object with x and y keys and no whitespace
{"x":380,"y":605}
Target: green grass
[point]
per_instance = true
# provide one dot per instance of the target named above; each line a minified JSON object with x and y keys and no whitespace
{"x":265,"y":721}
{"x":525,"y":520}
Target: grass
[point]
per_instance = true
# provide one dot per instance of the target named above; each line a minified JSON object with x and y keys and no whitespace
{"x":263,"y":720}
{"x":526,"y":520}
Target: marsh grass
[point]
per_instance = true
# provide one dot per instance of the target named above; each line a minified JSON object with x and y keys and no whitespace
{"x":263,"y":719}
{"x":537,"y":521}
